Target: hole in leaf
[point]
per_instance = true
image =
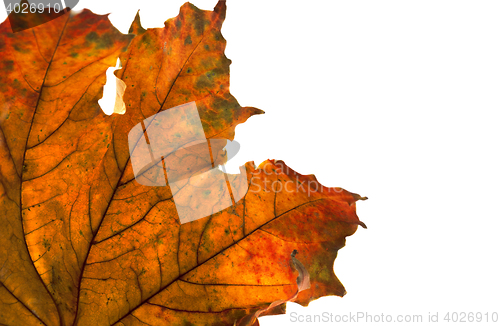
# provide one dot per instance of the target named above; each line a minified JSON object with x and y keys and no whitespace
{"x":112,"y":99}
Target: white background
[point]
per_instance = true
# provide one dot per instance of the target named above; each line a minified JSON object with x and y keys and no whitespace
{"x":394,"y":100}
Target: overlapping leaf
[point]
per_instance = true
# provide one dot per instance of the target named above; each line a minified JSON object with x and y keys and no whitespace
{"x":83,"y":243}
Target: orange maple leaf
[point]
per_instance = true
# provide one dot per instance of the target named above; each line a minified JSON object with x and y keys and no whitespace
{"x":88,"y":239}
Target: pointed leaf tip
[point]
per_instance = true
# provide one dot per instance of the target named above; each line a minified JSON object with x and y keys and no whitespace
{"x":136,"y":26}
{"x":220,"y":9}
{"x":221,"y":5}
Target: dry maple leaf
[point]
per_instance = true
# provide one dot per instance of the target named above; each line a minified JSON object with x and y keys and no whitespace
{"x":82,"y":242}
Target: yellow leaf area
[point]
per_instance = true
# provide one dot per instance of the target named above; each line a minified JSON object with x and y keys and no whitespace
{"x":83,"y":242}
